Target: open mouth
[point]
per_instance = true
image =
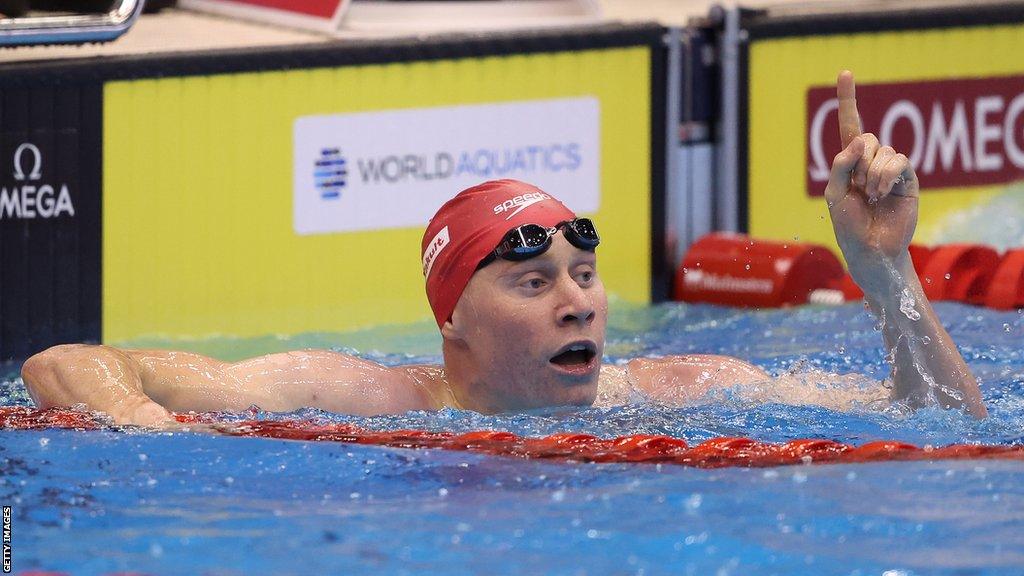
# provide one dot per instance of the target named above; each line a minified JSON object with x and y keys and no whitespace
{"x":578,"y":355}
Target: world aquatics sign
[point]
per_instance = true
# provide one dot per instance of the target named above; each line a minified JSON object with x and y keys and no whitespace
{"x":393,"y":168}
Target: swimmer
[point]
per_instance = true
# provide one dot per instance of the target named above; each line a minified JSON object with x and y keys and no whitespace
{"x":512,"y":279}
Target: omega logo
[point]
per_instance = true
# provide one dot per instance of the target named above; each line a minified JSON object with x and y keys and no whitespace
{"x":19,"y":173}
{"x":31,"y":201}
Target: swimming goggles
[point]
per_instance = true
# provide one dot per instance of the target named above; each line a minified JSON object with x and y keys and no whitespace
{"x":530,"y":240}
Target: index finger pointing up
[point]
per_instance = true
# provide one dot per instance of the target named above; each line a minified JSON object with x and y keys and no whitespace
{"x":849,"y":118}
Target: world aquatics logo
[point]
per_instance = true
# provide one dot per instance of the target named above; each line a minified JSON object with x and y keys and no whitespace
{"x":330,"y":173}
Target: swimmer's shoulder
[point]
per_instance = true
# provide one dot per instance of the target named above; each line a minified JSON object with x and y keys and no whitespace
{"x":345,"y":383}
{"x":430,"y":384}
{"x":684,"y":379}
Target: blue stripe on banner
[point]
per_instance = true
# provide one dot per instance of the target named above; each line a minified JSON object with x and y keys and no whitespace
{"x":332,"y":182}
{"x":323,"y":173}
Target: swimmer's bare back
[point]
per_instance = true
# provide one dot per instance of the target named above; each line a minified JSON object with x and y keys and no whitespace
{"x":142,"y":387}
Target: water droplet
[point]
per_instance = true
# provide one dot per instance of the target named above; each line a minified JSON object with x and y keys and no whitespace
{"x":907,"y":304}
{"x":442,"y":492}
{"x":947,"y":276}
{"x":746,"y":267}
{"x":1006,"y":327}
{"x":952,"y":393}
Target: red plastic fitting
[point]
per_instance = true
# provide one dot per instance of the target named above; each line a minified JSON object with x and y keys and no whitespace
{"x":735,"y":270}
{"x":959,"y":272}
{"x":1006,"y":288}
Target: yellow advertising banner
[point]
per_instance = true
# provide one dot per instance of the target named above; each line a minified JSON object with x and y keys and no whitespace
{"x":245,"y":204}
{"x":951,"y":99}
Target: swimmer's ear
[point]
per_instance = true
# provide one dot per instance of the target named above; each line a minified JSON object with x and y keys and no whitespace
{"x":450,"y":330}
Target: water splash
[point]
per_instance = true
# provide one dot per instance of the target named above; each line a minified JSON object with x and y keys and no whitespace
{"x":908,"y":305}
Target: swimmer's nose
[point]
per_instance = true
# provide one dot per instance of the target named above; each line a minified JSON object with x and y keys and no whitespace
{"x":577,"y":306}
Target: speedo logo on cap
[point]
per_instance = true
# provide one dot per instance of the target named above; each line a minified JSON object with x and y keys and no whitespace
{"x":519,"y":203}
{"x":439,"y":242}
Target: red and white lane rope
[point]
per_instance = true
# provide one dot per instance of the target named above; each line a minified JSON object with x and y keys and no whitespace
{"x":713,"y":453}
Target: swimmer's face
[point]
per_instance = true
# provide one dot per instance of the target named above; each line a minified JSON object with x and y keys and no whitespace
{"x":534,"y":330}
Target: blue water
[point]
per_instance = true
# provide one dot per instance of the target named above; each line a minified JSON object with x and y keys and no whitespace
{"x":117,"y":500}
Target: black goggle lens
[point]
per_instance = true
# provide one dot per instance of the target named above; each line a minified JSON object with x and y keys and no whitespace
{"x":582,"y":234}
{"x":531,"y":240}
{"x":523,"y":242}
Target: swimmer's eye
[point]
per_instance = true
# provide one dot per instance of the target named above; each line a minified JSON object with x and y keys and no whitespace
{"x":535,"y":283}
{"x":532,"y":283}
{"x":586,"y":276}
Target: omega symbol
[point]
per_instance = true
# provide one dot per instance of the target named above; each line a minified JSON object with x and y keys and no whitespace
{"x":19,"y":173}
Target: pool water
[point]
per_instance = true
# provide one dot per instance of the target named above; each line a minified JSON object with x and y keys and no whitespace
{"x":179,"y":503}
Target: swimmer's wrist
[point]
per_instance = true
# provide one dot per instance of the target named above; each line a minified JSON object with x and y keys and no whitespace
{"x":885,"y":281}
{"x":142,"y":412}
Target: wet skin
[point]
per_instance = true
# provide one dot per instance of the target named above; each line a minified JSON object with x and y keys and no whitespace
{"x":514,"y":318}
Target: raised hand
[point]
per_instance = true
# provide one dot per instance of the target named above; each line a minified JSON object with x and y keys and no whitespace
{"x":872,"y":198}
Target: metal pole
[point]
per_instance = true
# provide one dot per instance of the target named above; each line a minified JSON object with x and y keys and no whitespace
{"x":727,"y":191}
{"x":676,"y":192}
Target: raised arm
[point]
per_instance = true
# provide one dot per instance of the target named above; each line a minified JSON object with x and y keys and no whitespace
{"x":872,"y":198}
{"x":142,"y":386}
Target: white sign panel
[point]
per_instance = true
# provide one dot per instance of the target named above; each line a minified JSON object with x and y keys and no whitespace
{"x":394,"y":169}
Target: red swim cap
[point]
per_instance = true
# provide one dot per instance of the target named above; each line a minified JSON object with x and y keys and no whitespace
{"x":470,"y":226}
